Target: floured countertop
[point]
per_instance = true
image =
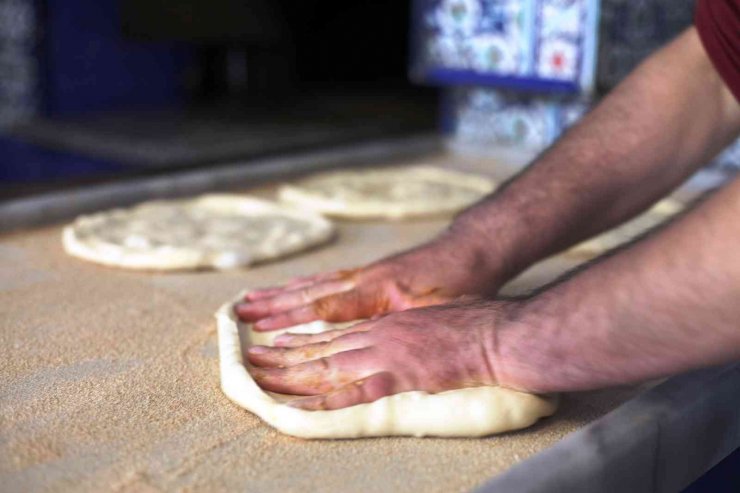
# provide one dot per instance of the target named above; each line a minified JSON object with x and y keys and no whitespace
{"x":109,"y":382}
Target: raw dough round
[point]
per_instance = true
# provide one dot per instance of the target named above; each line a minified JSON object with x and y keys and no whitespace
{"x":470,"y":412}
{"x":389,"y":193}
{"x":219,"y":231}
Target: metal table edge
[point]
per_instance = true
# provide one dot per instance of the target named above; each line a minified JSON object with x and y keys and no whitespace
{"x":660,"y":441}
{"x":57,"y":206}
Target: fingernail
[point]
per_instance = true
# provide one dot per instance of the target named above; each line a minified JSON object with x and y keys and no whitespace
{"x":257,"y":349}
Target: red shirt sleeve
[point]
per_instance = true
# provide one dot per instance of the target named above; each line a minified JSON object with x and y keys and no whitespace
{"x":718,"y":24}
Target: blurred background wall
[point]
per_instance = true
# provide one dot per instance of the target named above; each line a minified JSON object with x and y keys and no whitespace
{"x":101,"y":89}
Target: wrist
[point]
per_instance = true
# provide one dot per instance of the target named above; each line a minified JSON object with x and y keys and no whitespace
{"x":491,"y":240}
{"x":523,"y":350}
{"x":478,"y":259}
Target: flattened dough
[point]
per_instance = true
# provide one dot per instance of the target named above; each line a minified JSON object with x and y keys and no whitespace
{"x":471,"y":412}
{"x":220,"y":231}
{"x":656,"y":215}
{"x":392,"y":193}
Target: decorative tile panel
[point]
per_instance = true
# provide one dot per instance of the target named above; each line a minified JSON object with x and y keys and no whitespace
{"x":527,"y":44}
{"x":19,"y":83}
{"x":484,"y":116}
{"x":629,"y":30}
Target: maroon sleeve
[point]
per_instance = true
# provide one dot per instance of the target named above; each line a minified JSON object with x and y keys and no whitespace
{"x":718,"y":24}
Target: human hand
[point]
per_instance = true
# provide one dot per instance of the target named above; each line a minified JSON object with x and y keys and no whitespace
{"x":431,"y":349}
{"x":431,"y":274}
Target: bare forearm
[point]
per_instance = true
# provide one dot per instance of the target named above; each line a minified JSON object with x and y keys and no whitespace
{"x":669,"y":117}
{"x":666,"y":304}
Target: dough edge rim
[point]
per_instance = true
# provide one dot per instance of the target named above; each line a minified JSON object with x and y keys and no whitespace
{"x":297,"y":195}
{"x":184,"y":259}
{"x":470,"y":412}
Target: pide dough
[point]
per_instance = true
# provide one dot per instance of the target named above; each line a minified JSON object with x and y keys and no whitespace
{"x":470,"y":412}
{"x":393,"y":193}
{"x":656,"y":215}
{"x":220,"y":231}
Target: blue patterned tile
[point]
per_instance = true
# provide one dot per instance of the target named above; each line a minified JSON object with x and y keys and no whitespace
{"x":629,"y":30}
{"x":19,"y":84}
{"x":485,"y":116}
{"x":533,"y":44}
{"x":484,"y":45}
